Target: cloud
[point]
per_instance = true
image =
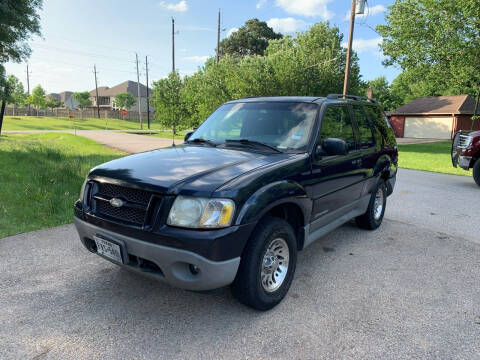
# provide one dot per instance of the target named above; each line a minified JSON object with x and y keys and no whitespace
{"x":369,"y":11}
{"x":261,"y":3}
{"x":366,"y":45}
{"x":197,"y":58}
{"x":181,"y":6}
{"x":286,"y":25}
{"x":231,"y":31}
{"x":306,"y":7}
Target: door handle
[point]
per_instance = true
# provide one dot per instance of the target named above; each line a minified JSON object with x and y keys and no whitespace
{"x":357,"y":162}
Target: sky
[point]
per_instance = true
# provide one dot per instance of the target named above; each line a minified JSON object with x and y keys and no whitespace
{"x":76,"y":35}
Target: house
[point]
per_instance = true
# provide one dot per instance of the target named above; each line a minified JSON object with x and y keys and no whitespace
{"x":66,"y":98}
{"x":434,"y":117}
{"x":106,"y":96}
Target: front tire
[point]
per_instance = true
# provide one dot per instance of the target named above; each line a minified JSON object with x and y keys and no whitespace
{"x":373,"y":217}
{"x":476,"y":172}
{"x":267,"y":266}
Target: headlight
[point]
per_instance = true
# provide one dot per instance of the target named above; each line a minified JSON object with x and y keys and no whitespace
{"x":192,"y":212}
{"x":82,"y":190}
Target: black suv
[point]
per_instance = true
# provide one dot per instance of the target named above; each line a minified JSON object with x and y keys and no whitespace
{"x":258,"y":181}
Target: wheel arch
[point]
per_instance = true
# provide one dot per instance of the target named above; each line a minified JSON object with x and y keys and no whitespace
{"x":287,"y":200}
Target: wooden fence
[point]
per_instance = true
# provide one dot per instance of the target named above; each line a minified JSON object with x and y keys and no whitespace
{"x":86,"y":113}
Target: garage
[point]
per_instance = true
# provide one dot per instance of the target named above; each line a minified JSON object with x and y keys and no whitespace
{"x":428,"y":127}
{"x":434,"y":117}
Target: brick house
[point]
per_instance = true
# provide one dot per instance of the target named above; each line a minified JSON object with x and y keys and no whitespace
{"x":106,"y":96}
{"x":434,"y":117}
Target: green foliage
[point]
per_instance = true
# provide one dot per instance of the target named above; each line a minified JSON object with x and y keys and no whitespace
{"x":168,"y":101}
{"x":83,"y":99}
{"x":312,"y":64}
{"x":53,"y":103}
{"x":251,"y":39}
{"x":18,"y":20}
{"x":124,"y":100}
{"x":37,"y":98}
{"x":382,"y":92}
{"x":437,"y":44}
{"x":18,"y":96}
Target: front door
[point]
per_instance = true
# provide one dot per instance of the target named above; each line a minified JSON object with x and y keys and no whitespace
{"x":337,"y":180}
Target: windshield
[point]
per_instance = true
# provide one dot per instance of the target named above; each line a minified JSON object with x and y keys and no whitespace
{"x":278,"y":124}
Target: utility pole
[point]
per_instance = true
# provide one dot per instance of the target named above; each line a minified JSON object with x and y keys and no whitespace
{"x":359,"y":10}
{"x":218,"y":38}
{"x":148,"y":98}
{"x":138,"y":94}
{"x":28,"y":88}
{"x":173,"y":44}
{"x":96,"y":90}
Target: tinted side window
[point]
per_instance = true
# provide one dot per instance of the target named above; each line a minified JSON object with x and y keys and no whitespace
{"x":364,"y":128}
{"x":336,"y":123}
{"x":382,"y":127}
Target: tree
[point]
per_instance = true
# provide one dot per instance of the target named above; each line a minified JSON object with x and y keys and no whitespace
{"x":19,"y":20}
{"x":125,"y":101}
{"x":38,"y":98}
{"x":18,"y":96}
{"x":435,"y":41}
{"x":251,"y":39}
{"x":312,"y":63}
{"x":53,"y":102}
{"x":383,"y":93}
{"x":83,"y":99}
{"x":169,"y":104}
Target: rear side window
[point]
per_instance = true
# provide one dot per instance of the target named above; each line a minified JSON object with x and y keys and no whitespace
{"x":382,"y":126}
{"x":365,"y":130}
{"x":336,"y":123}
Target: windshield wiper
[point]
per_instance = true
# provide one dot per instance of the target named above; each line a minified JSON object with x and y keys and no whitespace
{"x":202,"y":141}
{"x":252,"y":142}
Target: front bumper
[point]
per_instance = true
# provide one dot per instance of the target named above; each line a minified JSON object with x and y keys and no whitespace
{"x":464,"y":162}
{"x":168,"y":264}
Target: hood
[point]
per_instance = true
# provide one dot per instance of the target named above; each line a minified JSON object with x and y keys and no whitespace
{"x":186,"y":169}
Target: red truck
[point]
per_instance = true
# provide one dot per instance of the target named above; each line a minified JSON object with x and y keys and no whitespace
{"x":466,"y":152}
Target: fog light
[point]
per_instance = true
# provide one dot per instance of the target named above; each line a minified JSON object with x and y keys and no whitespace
{"x":194,"y":269}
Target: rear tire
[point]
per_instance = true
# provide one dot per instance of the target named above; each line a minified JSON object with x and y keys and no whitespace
{"x":476,"y":172}
{"x":267,"y":266}
{"x":373,"y":217}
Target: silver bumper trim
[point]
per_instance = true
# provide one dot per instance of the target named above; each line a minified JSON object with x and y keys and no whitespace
{"x":174,"y":263}
{"x":464,"y":162}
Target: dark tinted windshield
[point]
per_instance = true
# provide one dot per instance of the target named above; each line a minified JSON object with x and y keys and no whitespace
{"x":283,"y":125}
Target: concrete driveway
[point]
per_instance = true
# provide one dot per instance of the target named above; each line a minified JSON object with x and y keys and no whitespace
{"x":409,"y":290}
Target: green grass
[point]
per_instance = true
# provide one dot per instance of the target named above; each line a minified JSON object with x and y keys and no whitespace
{"x":434,"y":157}
{"x":41,"y":176}
{"x":54,"y":123}
{"x":168,"y":134}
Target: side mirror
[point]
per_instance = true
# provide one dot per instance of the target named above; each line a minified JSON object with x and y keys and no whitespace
{"x":334,"y":146}
{"x":187,"y":135}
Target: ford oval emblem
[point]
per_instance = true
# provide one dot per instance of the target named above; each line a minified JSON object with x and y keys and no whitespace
{"x":116,"y":202}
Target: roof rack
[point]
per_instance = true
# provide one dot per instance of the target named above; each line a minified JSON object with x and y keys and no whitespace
{"x":353,"y":97}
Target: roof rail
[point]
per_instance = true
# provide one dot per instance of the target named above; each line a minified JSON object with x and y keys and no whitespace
{"x":353,"y":97}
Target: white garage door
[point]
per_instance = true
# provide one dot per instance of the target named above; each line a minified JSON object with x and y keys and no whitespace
{"x":428,"y":127}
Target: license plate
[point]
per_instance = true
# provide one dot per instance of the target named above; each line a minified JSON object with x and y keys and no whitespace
{"x":108,"y":249}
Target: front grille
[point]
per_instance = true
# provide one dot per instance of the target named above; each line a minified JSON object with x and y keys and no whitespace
{"x":124,"y":213}
{"x":134,"y":209}
{"x":464,"y":141}
{"x":125,"y":193}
